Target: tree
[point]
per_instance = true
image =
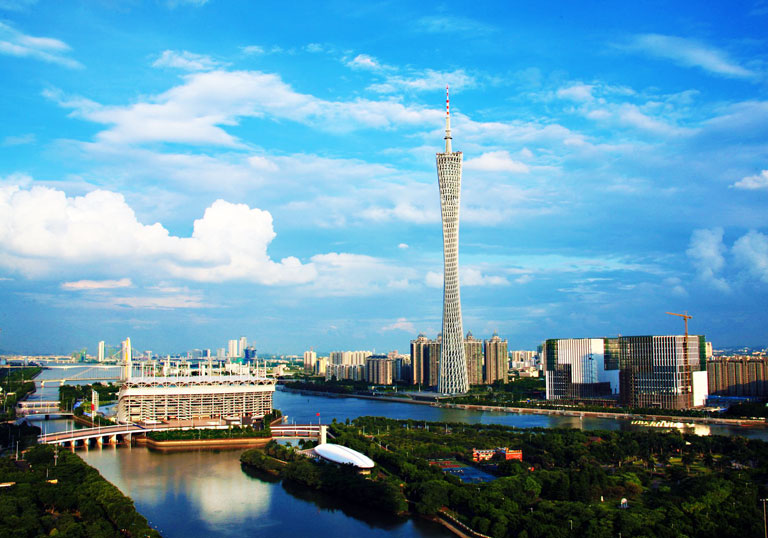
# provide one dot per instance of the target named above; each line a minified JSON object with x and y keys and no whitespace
{"x":431,"y":496}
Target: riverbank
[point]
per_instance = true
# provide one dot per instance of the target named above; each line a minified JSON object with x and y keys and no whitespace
{"x":749,"y":423}
{"x":739,"y":422}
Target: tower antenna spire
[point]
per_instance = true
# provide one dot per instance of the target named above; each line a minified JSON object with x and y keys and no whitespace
{"x":447,"y":121}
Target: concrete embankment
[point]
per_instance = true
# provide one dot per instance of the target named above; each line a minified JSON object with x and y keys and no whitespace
{"x":188,"y":444}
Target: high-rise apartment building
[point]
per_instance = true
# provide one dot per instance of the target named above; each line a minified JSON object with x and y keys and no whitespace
{"x":738,"y":376}
{"x":425,"y":360}
{"x":379,"y":370}
{"x":241,"y":346}
{"x":339,"y":372}
{"x":473,"y":350}
{"x":232,"y":351}
{"x":354,"y":358}
{"x":310,"y":358}
{"x":126,"y":354}
{"x":321,"y":366}
{"x":452,"y":378}
{"x":403,"y":369}
{"x":102,"y":352}
{"x":496,"y":359}
{"x":523,"y":358}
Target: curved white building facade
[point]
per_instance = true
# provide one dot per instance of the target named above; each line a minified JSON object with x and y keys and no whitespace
{"x":452,"y":377}
{"x":343,"y":456}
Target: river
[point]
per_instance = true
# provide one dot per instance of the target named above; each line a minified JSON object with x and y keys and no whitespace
{"x":205,"y":493}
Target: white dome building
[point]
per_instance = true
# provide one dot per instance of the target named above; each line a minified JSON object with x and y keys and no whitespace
{"x":343,"y":455}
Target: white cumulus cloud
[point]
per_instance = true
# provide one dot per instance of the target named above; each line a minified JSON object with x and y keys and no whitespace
{"x":43,"y":231}
{"x":576,"y":92}
{"x":706,"y":251}
{"x":750,"y":252}
{"x":188,"y":61}
{"x":364,"y":61}
{"x":496,"y":161}
{"x":195,"y":111}
{"x":344,"y":274}
{"x":402,"y":324}
{"x":758,"y":181}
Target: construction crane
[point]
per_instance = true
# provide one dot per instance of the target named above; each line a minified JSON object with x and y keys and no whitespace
{"x":687,"y":367}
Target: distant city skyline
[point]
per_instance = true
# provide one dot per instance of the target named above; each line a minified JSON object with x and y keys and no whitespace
{"x":185,"y":173}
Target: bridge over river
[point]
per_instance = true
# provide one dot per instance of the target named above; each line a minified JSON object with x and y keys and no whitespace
{"x":125,"y":433}
{"x":97,"y":372}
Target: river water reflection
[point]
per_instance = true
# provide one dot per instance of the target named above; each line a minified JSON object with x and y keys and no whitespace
{"x":205,"y":493}
{"x":303,"y":409}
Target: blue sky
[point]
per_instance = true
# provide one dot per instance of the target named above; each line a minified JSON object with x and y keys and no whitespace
{"x":186,"y":172}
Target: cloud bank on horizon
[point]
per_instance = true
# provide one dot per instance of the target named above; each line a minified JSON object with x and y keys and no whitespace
{"x":276,"y":180}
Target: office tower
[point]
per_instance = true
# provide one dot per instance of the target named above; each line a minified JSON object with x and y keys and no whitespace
{"x":473,"y":349}
{"x":242,"y":344}
{"x":452,"y":378}
{"x":496,"y":360}
{"x":102,"y":353}
{"x":310,"y":358}
{"x":232,"y":349}
{"x":581,"y":368}
{"x":663,"y":371}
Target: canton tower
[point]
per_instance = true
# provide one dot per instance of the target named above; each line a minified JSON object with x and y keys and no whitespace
{"x":452,"y":377}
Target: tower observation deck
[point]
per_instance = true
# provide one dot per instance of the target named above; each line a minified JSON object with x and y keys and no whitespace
{"x":452,"y":376}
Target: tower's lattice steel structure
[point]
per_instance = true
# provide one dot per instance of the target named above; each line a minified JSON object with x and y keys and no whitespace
{"x":452,"y":378}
